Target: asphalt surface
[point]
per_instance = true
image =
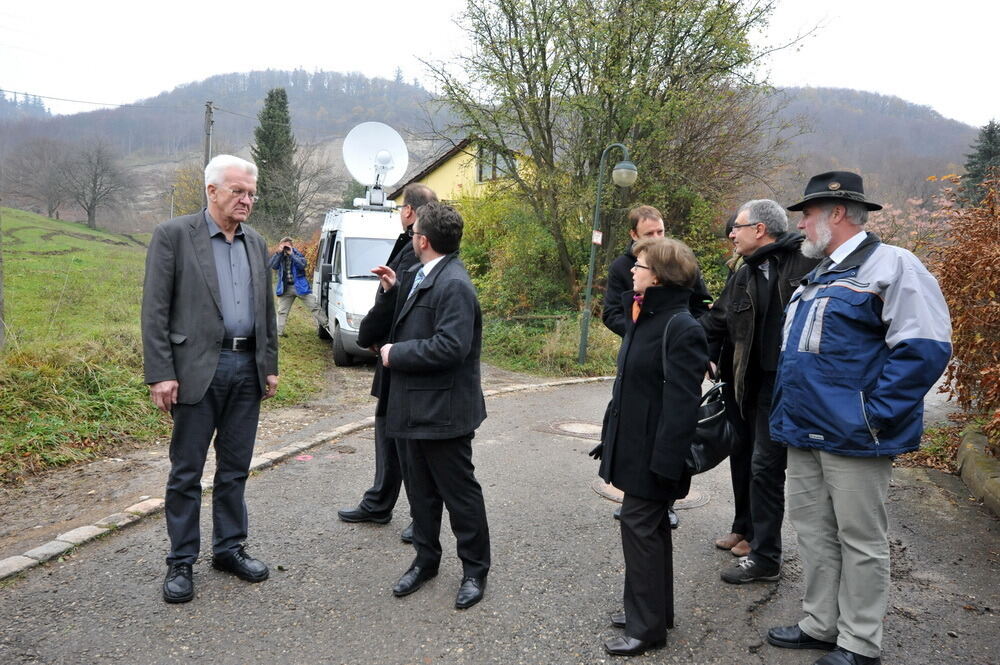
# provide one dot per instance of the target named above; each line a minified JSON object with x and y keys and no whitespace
{"x":557,"y":571}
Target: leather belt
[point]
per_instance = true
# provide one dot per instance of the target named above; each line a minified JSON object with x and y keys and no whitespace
{"x":239,"y":344}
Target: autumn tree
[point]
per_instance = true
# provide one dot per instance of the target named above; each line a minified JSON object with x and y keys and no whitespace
{"x":34,"y":173}
{"x":274,"y":154}
{"x":983,"y":163}
{"x":970,"y":281}
{"x":188,"y":187}
{"x":93,"y":178}
{"x":552,"y":82}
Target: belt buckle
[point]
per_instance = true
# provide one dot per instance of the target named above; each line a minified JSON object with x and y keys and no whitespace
{"x":239,"y":343}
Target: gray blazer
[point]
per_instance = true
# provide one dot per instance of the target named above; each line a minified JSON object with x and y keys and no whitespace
{"x":182,"y":327}
{"x":434,"y":383}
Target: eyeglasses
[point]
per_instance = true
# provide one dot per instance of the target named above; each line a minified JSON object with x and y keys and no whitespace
{"x":410,"y":233}
{"x":639,"y":265}
{"x":240,"y":193}
{"x":740,"y":226}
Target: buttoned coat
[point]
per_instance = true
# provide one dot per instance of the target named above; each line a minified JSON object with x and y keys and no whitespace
{"x":182,"y":326}
{"x":651,"y":422}
{"x":434,"y":385}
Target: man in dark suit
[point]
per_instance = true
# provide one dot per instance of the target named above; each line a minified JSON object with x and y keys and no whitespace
{"x":377,"y":503}
{"x":435,"y":400}
{"x":210,"y":354}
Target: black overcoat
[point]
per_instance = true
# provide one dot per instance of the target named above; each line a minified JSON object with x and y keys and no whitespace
{"x":651,"y":421}
{"x":434,"y":386}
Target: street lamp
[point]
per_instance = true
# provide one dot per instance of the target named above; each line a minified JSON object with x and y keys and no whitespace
{"x":623,"y":174}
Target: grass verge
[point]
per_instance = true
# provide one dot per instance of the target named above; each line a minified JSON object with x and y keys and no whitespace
{"x":549,"y":346}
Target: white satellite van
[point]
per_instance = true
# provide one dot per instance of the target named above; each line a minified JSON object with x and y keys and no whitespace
{"x":352,"y":242}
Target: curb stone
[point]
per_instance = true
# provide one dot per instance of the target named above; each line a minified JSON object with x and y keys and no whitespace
{"x":17,"y":564}
{"x":980,"y":472}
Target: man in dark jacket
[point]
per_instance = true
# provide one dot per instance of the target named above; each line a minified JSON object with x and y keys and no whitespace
{"x":748,"y":316}
{"x":377,"y":503}
{"x":645,"y":222}
{"x":435,"y":400}
{"x":292,"y":283}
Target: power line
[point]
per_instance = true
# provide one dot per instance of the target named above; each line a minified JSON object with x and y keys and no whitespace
{"x":83,"y":101}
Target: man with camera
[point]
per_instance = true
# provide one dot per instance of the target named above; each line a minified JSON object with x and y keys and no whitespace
{"x":292,"y":283}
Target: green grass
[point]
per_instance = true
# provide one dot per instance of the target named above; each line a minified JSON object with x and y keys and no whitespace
{"x":71,"y":384}
{"x":549,"y":347}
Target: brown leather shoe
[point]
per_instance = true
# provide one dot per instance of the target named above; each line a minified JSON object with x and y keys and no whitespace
{"x":741,"y":548}
{"x":728,"y":542}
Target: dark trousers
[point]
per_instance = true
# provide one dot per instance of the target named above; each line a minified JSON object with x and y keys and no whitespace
{"x":649,"y":568}
{"x":229,"y":410}
{"x":439,"y":473}
{"x":739,"y":466}
{"x":767,"y":482}
{"x":382,"y":495}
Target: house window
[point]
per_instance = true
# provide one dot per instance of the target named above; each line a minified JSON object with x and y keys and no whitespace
{"x":490,"y":165}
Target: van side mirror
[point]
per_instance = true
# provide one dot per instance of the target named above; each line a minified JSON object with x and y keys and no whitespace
{"x":325,"y":272}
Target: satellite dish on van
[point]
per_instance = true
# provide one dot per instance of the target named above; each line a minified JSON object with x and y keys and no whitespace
{"x":375,"y":156}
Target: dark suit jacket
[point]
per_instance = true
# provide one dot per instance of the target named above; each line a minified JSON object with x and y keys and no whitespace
{"x":182,"y":328}
{"x":377,"y":324}
{"x":437,"y":335}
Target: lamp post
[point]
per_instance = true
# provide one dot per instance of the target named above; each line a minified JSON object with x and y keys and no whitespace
{"x":623,"y":174}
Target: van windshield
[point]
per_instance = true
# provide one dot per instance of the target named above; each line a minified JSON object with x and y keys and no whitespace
{"x":363,"y":254}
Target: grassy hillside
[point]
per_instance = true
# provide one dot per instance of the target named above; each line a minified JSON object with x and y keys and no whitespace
{"x":71,"y":373}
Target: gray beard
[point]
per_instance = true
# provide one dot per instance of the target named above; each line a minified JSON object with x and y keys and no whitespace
{"x":817,"y":249}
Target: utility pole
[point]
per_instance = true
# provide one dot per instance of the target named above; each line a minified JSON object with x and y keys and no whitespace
{"x":172,"y":189}
{"x":208,"y":143}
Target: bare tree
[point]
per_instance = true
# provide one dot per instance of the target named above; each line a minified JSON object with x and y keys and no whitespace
{"x":305,"y":189}
{"x":93,"y":179}
{"x":34,"y":173}
{"x":3,"y":325}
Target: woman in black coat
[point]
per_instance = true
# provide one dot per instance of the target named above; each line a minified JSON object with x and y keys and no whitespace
{"x":648,"y":432}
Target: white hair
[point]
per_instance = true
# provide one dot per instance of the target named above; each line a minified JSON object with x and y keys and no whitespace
{"x":856,"y":213}
{"x":216,"y":170}
{"x":767,"y":212}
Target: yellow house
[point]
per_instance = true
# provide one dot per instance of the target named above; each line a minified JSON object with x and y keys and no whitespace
{"x":465,"y":169}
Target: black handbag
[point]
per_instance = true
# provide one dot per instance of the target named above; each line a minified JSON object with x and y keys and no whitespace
{"x":715,"y":436}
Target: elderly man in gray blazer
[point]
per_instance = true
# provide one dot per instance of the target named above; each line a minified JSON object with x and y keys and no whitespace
{"x":210,"y":355}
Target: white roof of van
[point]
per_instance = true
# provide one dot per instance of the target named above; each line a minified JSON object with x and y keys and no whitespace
{"x":364,"y":223}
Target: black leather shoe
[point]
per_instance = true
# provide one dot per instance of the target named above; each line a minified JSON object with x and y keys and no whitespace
{"x":844,"y":657}
{"x":470,"y":592}
{"x":242,"y":565}
{"x":672,"y":516}
{"x":178,"y":587}
{"x":359,"y":514}
{"x":629,"y":646}
{"x":412,"y":580}
{"x":793,"y":637}
{"x":617,"y":514}
{"x":618,"y":619}
{"x":407,"y":534}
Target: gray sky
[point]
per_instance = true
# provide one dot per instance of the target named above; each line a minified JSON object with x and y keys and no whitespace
{"x":930,"y":53}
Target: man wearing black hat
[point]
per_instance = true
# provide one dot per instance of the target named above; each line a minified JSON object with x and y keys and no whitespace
{"x":866,"y":335}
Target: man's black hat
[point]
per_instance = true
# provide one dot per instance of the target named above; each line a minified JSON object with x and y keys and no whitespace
{"x":835,"y":185}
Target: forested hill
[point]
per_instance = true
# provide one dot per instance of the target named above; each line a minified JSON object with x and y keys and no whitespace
{"x":322,"y":104}
{"x":893,"y":143}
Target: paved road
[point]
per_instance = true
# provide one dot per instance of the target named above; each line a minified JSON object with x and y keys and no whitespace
{"x":557,"y":572}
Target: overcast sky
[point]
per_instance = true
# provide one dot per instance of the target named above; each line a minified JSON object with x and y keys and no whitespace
{"x":940,"y":54}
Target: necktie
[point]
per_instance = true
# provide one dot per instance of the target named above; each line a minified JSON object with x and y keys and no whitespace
{"x":416,"y":282}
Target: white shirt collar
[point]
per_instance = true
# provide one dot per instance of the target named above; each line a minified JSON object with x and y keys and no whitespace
{"x":849,"y":246}
{"x":430,"y":265}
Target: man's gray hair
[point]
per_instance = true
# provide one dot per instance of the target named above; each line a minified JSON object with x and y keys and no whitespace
{"x":767,"y":212}
{"x":856,"y":213}
{"x":215,"y":172}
